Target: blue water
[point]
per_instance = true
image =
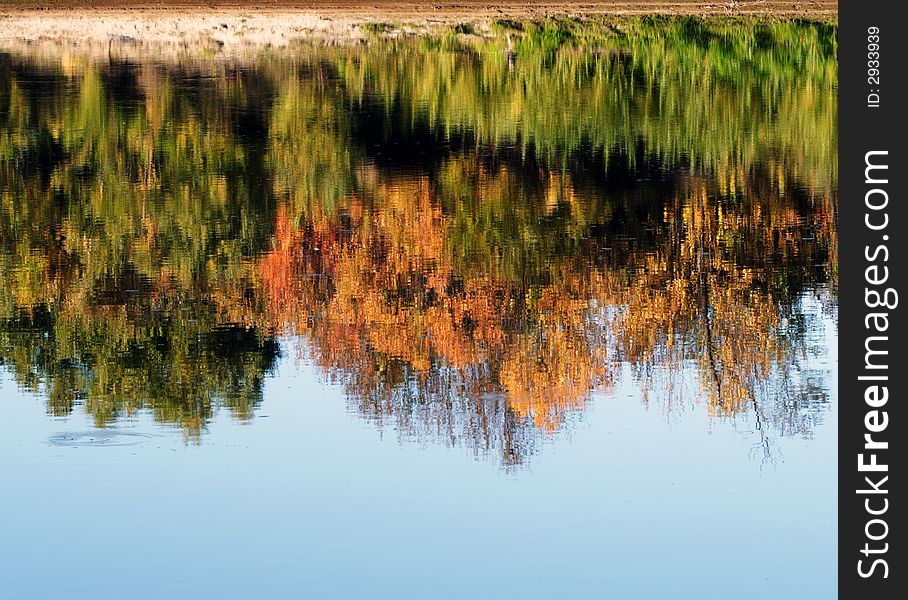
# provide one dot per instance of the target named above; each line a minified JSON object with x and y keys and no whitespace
{"x":549,"y":313}
{"x":310,"y":501}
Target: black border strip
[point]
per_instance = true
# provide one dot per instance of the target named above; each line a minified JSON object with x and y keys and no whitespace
{"x":872,"y":265}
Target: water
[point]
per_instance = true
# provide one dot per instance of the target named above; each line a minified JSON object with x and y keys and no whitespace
{"x":558,"y":308}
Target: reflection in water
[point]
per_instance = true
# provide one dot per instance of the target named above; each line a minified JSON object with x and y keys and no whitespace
{"x":470,"y":237}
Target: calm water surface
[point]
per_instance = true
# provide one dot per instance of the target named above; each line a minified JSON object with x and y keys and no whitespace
{"x":554,"y":310}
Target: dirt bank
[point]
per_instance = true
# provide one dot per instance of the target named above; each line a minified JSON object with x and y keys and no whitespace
{"x":470,"y":8}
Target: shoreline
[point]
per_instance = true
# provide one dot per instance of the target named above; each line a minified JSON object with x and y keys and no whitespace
{"x":225,"y":29}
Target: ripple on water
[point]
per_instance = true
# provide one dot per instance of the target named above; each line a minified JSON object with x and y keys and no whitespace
{"x":101,"y":437}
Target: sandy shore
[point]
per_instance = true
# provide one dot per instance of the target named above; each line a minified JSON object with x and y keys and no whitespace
{"x":232,"y":28}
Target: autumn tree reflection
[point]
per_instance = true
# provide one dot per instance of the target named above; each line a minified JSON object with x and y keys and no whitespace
{"x":470,"y":261}
{"x":411,"y":312}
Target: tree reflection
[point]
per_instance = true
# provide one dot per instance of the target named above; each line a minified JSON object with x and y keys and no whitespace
{"x":468,"y":260}
{"x":411,"y":313}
